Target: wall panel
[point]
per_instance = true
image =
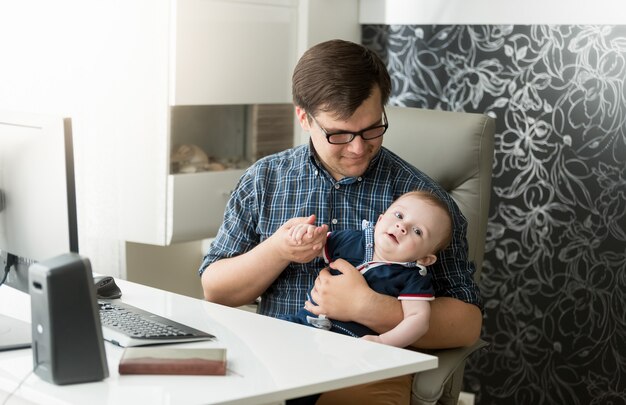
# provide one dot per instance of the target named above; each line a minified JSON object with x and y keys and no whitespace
{"x":554,"y":275}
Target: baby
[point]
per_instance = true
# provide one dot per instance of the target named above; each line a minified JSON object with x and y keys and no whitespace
{"x":392,"y":256}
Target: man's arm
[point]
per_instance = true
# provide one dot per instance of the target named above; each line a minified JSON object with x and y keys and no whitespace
{"x":241,"y":279}
{"x":453,"y":323}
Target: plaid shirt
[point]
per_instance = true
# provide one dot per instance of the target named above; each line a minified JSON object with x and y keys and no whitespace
{"x":293,"y":183}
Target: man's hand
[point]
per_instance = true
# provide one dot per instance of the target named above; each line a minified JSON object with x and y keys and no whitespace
{"x":236,"y":281}
{"x":340,"y":297}
{"x":307,"y":247}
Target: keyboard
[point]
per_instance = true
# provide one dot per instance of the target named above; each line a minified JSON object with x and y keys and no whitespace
{"x":126,"y":326}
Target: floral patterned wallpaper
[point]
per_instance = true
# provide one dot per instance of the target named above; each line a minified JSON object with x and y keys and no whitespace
{"x":554,"y":276}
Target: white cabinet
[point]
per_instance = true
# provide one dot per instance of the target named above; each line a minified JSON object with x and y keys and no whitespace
{"x":233,"y":52}
{"x":196,"y":203}
{"x":237,"y":53}
{"x":227,"y":54}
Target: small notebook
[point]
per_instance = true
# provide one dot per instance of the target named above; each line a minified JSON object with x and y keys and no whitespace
{"x":182,"y":361}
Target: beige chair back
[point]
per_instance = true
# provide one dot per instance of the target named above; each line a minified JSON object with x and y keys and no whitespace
{"x":456,"y":150}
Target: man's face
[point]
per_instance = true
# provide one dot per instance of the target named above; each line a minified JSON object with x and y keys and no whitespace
{"x":350,"y":159}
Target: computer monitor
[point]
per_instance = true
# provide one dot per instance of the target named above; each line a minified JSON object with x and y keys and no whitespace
{"x":37,"y":192}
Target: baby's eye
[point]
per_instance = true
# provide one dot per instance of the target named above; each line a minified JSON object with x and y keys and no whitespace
{"x":417,"y":231}
{"x":398,"y":215}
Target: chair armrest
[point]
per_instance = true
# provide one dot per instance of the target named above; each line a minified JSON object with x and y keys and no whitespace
{"x":428,"y":385}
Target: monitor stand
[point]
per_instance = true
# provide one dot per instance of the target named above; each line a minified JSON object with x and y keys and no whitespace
{"x":14,"y":333}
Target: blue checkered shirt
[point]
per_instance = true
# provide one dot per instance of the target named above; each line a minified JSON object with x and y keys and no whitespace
{"x":293,"y":183}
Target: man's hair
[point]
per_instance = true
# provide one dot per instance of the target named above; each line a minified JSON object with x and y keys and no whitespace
{"x":437,"y":202}
{"x":337,"y":77}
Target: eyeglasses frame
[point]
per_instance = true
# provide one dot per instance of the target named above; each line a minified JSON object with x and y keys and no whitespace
{"x":354,"y":134}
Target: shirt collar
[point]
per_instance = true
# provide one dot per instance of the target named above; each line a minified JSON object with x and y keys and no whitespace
{"x":368,"y":231}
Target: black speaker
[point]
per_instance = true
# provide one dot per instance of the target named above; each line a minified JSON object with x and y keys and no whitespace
{"x":67,"y":337}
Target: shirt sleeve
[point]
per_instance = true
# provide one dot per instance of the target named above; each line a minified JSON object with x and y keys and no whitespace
{"x":237,"y":234}
{"x":344,"y":244}
{"x":417,"y":287}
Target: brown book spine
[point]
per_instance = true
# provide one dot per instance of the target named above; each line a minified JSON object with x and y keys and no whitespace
{"x":192,"y":366}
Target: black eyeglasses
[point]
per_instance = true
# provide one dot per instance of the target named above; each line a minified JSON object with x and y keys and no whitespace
{"x":342,"y":137}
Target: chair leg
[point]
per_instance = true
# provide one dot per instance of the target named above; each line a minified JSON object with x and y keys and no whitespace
{"x":452,"y":389}
{"x":442,"y":386}
{"x":420,"y":401}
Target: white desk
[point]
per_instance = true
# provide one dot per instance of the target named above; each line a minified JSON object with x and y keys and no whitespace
{"x":268,"y":360}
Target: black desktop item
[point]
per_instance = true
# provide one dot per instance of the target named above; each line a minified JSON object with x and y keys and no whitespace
{"x":37,"y":199}
{"x":127,"y":326}
{"x":106,"y":288}
{"x":67,"y":337}
{"x":38,"y":219}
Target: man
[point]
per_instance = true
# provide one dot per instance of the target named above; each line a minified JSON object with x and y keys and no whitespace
{"x":340,"y":178}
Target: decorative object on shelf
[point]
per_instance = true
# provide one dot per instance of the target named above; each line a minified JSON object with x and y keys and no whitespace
{"x":189,"y":158}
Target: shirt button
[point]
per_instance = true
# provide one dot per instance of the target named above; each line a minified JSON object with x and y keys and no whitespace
{"x":337,"y":186}
{"x":359,"y":178}
{"x":334,"y":221}
{"x":316,"y":172}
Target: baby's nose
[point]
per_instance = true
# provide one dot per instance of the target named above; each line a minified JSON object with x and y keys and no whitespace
{"x":401,"y":228}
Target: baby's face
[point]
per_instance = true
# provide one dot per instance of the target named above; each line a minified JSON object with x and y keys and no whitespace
{"x":410,"y":229}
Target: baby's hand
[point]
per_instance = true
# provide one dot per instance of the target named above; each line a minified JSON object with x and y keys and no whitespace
{"x":301,"y":231}
{"x":311,"y":240}
{"x":373,"y":338}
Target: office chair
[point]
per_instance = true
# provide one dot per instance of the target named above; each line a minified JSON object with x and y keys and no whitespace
{"x":456,"y":150}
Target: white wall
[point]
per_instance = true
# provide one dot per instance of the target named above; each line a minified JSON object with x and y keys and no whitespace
{"x":492,"y":12}
{"x":76,"y":58}
{"x":37,"y":75}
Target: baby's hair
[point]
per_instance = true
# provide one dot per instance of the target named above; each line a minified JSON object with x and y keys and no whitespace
{"x":438,"y":203}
